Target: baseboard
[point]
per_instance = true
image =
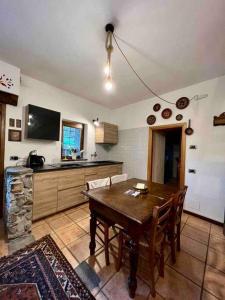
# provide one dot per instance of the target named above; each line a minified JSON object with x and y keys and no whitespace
{"x":203,"y":218}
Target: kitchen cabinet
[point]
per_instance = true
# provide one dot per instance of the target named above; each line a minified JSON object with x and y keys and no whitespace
{"x":57,"y":190}
{"x":106,"y":133}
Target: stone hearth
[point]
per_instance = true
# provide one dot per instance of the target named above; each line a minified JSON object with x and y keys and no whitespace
{"x":18,"y":202}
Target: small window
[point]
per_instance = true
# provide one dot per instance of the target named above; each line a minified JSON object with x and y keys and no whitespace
{"x":72,"y":139}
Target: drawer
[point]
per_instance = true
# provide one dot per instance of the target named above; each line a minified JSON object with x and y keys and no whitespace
{"x":70,"y":197}
{"x":70,"y":178}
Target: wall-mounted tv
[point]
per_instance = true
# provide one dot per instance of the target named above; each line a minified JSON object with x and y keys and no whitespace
{"x":42,"y":123}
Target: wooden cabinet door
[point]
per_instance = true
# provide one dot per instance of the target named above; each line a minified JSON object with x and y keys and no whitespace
{"x":106,"y":133}
{"x":45,"y":194}
{"x":70,"y":197}
{"x":70,"y":178}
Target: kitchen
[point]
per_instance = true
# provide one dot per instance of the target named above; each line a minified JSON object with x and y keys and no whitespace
{"x":85,"y":133}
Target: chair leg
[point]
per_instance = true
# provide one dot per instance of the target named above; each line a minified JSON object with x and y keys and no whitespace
{"x":152,"y":278}
{"x":173,"y":245}
{"x":161,"y":260}
{"x":120,"y":254}
{"x":178,"y":237}
{"x":106,"y":243}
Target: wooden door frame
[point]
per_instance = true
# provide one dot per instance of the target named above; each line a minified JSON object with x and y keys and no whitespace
{"x":183,"y":126}
{"x":2,"y":153}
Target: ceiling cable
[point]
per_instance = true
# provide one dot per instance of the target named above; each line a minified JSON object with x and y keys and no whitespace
{"x":196,"y":97}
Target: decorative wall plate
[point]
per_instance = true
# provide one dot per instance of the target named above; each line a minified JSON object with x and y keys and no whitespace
{"x":179,"y":117}
{"x":151,"y":119}
{"x":166,"y":113}
{"x":156,"y":107}
{"x":182,"y":103}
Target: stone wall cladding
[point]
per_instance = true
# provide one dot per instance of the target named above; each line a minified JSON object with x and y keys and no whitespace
{"x":18,"y":201}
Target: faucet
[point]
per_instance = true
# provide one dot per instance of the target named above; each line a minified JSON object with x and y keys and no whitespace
{"x":94,"y":154}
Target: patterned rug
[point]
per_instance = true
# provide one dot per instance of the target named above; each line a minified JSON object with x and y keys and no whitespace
{"x":40,"y":271}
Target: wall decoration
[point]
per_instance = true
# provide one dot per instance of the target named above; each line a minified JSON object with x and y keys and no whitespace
{"x":18,"y":123}
{"x":11,"y":122}
{"x":156,"y":107}
{"x":151,"y":119}
{"x":15,"y":135}
{"x":182,"y":103}
{"x":6,"y":81}
{"x":217,"y":121}
{"x":179,"y":117}
{"x":166,"y":113}
{"x":189,"y":130}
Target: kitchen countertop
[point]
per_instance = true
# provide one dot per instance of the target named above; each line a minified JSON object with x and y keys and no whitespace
{"x":74,"y":165}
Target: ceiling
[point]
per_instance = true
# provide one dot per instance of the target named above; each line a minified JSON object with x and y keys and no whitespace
{"x":172,"y":44}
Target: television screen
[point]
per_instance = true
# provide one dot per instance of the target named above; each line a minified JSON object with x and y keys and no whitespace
{"x":42,"y":123}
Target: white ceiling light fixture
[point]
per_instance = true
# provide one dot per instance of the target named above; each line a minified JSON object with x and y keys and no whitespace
{"x":109,"y":28}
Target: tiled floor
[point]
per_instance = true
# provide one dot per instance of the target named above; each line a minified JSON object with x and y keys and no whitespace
{"x":199,"y":272}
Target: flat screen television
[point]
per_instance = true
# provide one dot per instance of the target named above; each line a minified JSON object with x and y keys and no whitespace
{"x":42,"y":123}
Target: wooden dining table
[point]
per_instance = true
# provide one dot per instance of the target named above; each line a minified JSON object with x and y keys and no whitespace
{"x":131,"y":213}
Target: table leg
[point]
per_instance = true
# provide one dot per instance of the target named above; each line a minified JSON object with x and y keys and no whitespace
{"x":132,"y":280}
{"x":92,"y":244}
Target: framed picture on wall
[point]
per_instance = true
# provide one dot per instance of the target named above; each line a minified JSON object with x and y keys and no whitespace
{"x":11,"y":122}
{"x":15,"y":135}
{"x":18,"y":123}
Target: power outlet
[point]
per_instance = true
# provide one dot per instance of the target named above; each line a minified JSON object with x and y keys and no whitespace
{"x":193,"y":171}
{"x":13,"y":158}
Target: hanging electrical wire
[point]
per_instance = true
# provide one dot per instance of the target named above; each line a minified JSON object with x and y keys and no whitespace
{"x":196,"y":97}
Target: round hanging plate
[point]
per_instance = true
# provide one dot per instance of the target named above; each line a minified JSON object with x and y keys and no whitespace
{"x":166,"y":113}
{"x":156,"y":107}
{"x":182,"y":103}
{"x":179,"y":117}
{"x":151,"y":119}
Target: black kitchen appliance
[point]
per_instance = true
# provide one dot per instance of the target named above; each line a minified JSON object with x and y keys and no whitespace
{"x":34,"y":160}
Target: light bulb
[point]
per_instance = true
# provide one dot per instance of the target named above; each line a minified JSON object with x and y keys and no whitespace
{"x":107,"y":70}
{"x":108,"y":84}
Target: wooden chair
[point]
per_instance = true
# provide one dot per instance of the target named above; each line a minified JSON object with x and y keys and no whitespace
{"x":153,"y":240}
{"x":102,"y":223}
{"x":119,"y":178}
{"x":175,"y":222}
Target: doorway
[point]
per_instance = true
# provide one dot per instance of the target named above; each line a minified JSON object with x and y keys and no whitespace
{"x":166,"y":154}
{"x":2,"y":151}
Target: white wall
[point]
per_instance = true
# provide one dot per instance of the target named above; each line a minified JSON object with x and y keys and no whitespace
{"x":71,"y":107}
{"x":206,"y":192}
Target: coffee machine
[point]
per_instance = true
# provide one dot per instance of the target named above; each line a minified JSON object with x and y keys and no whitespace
{"x":34,"y":160}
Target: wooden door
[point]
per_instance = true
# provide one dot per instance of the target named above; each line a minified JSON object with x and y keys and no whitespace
{"x":158,"y":155}
{"x":2,"y":151}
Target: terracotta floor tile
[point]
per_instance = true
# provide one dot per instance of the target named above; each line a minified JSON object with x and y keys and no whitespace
{"x":101,"y":296}
{"x":195,"y":234}
{"x":216,"y":259}
{"x":71,"y":259}
{"x":144,"y":270}
{"x":208,"y":296}
{"x":58,"y":223}
{"x":38,"y":223}
{"x":57,"y":240}
{"x":184,"y":217}
{"x":117,"y":288}
{"x":70,"y":233}
{"x":71,"y":210}
{"x":41,"y":230}
{"x":214,"y":282}
{"x":55,"y":216}
{"x":217,"y":231}
{"x":190,"y":267}
{"x":80,"y":248}
{"x":175,"y":286}
{"x":198,"y":223}
{"x":85,"y":224}
{"x":217,"y":243}
{"x":78,"y":215}
{"x":193,"y":247}
{"x":97,"y":262}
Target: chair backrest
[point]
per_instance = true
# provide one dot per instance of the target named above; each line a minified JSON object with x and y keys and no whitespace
{"x":178,"y":202}
{"x":119,"y":178}
{"x":94,"y":184}
{"x":160,"y":222}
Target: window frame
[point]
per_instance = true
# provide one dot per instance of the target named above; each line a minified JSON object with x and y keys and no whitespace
{"x":72,"y":124}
